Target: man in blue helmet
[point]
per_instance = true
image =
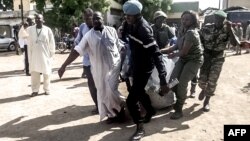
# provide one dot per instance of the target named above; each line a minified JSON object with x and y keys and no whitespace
{"x":145,"y":55}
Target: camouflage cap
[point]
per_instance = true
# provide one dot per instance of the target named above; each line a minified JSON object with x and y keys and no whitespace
{"x":220,"y":13}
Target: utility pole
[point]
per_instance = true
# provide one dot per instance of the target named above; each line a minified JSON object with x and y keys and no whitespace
{"x":21,"y":6}
{"x":219,"y":4}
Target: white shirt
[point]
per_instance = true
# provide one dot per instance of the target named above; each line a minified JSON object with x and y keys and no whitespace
{"x":41,"y":48}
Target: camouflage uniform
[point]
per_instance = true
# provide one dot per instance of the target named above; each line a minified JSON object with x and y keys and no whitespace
{"x":214,"y":42}
{"x":162,"y":35}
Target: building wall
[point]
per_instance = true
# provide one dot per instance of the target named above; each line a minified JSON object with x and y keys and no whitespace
{"x":110,"y":18}
{"x":113,"y":16}
{"x":229,"y":3}
{"x":179,"y":7}
{"x":27,"y":5}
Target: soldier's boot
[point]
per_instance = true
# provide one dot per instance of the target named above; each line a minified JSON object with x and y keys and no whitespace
{"x":206,"y":107}
{"x":139,"y":133}
{"x":178,"y":112}
{"x":192,"y":90}
{"x":202,"y":95}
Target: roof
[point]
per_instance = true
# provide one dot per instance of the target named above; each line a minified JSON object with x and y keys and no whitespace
{"x":184,"y":6}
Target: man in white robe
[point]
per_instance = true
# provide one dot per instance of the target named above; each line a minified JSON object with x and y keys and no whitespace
{"x":83,"y":29}
{"x":102,"y":45}
{"x":40,"y":52}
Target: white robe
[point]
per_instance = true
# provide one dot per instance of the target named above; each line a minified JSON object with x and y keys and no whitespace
{"x":103,"y":50}
{"x":40,"y":49}
{"x":23,"y":35}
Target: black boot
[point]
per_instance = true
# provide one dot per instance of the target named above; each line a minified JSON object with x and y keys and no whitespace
{"x":139,"y":133}
{"x":202,"y":95}
{"x":192,"y":90}
{"x":178,"y":112}
{"x":149,"y":115}
{"x":206,"y":107}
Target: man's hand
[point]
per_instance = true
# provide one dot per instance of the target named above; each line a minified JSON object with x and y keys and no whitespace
{"x":61,"y":71}
{"x":166,"y":50}
{"x":171,"y":56}
{"x":164,"y":89}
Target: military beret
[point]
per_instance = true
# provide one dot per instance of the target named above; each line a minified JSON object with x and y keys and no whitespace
{"x":132,"y":7}
{"x":220,"y":13}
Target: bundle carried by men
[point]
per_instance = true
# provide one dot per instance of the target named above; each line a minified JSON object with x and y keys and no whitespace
{"x":153,"y":86}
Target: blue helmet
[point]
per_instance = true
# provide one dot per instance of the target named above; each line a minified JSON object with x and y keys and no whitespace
{"x":132,"y":7}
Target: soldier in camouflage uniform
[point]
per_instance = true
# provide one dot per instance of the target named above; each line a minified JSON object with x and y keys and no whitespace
{"x":162,"y":32}
{"x":214,"y":38}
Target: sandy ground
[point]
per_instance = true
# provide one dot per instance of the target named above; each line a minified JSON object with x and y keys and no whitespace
{"x":65,"y":114}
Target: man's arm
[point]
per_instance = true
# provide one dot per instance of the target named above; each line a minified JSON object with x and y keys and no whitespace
{"x":29,"y":43}
{"x":72,"y":56}
{"x":170,"y":33}
{"x":52,"y":44}
{"x":78,"y":50}
{"x":79,"y":35}
{"x":149,"y":42}
{"x":168,"y":50}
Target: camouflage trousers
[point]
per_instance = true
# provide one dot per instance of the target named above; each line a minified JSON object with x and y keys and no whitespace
{"x":210,"y":73}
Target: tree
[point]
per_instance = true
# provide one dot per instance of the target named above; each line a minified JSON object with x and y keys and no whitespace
{"x":6,"y":4}
{"x":66,"y":12}
{"x":40,"y":5}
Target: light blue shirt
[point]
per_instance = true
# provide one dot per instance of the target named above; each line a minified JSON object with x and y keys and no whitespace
{"x":83,"y":29}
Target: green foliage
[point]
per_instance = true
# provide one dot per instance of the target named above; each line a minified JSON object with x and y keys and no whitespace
{"x":67,"y":12}
{"x":8,"y":4}
{"x":150,"y":6}
{"x":40,"y":4}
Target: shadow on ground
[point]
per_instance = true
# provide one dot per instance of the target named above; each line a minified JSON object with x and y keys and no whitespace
{"x":5,"y":53}
{"x":12,"y":73}
{"x":246,"y":88}
{"x":15,"y":99}
{"x":70,"y":67}
{"x":83,"y":84}
{"x":32,"y":129}
{"x":18,"y":73}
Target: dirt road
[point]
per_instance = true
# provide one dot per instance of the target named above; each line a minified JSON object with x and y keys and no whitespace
{"x":65,"y":114}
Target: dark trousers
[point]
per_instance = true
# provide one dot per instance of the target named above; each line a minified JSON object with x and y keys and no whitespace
{"x":137,"y":96}
{"x":194,"y":80}
{"x":26,"y":59}
{"x":91,"y":84}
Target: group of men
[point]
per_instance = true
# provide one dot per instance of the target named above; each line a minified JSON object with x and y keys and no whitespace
{"x":101,"y":48}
